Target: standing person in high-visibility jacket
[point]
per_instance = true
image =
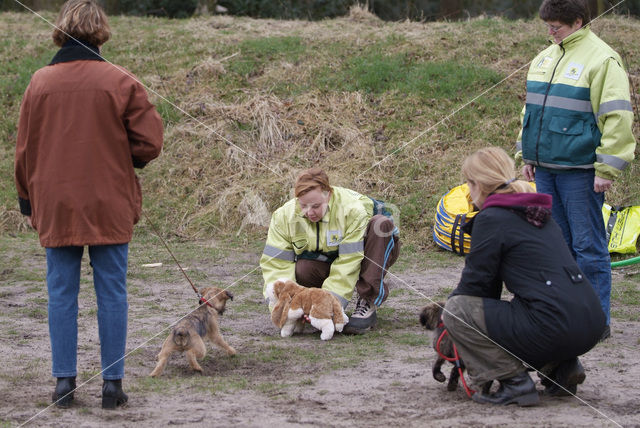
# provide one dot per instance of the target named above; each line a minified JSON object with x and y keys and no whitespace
{"x":576,"y":135}
{"x":336,"y":239}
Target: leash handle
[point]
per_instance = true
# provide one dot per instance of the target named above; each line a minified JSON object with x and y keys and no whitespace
{"x":155,"y":230}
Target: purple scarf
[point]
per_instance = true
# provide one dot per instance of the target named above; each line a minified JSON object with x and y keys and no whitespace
{"x":535,"y":208}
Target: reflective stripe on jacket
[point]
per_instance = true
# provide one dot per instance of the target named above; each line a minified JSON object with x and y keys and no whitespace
{"x":578,"y":112}
{"x":337,"y":239}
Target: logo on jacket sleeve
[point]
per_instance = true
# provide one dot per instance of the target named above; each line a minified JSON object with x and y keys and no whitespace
{"x":545,"y":62}
{"x":573,"y":71}
{"x":334,"y":237}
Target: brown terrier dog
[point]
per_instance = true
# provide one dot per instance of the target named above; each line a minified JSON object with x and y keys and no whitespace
{"x":187,"y":334}
{"x":431,"y":319}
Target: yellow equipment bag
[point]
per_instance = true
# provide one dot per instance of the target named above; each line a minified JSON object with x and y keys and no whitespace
{"x":454,"y":210}
{"x":623,"y":228}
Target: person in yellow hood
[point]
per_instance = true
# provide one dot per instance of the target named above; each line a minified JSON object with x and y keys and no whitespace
{"x":334,"y":238}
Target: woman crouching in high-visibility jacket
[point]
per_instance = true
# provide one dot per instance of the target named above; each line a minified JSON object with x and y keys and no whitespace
{"x":336,"y":239}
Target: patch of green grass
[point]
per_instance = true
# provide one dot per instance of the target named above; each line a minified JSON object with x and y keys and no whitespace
{"x":378,"y":73}
{"x":270,"y":388}
{"x":443,"y":294}
{"x":170,"y":115}
{"x":208,"y":384}
{"x":412,"y":339}
{"x":38,"y":301}
{"x":89,"y":313}
{"x":256,"y":53}
{"x":307,"y":382}
{"x":627,"y":291}
{"x":36,"y":312}
{"x":160,"y":384}
{"x":85,"y":375}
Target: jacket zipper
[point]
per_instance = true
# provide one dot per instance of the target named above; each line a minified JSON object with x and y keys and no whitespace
{"x":544,"y":104}
{"x":317,"y":237}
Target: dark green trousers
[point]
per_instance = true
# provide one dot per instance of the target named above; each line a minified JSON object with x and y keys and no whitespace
{"x":485,"y":360}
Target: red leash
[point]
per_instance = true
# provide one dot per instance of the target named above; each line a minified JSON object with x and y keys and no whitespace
{"x":203,"y":300}
{"x":455,"y":360}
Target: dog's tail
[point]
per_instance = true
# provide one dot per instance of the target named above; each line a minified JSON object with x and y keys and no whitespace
{"x":430,"y":315}
{"x":181,"y":337}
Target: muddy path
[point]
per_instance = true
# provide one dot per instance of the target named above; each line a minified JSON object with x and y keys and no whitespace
{"x":381,"y":379}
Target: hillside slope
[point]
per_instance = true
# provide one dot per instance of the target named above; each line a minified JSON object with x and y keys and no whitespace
{"x":388,"y":109}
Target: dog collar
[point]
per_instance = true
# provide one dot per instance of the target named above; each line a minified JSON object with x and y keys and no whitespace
{"x":203,"y":300}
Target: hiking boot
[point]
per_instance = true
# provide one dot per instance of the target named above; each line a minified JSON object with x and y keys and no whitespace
{"x":63,"y":394}
{"x":112,"y":394}
{"x":519,"y":389}
{"x":362,"y":319}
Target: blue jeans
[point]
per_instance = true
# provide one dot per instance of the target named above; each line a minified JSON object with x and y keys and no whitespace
{"x":109,"y":264}
{"x":578,"y":211}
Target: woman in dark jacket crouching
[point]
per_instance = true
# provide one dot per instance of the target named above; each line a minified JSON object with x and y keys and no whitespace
{"x":554,"y":315}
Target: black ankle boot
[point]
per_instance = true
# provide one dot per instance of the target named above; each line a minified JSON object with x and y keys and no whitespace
{"x":112,"y":394}
{"x":567,"y":376}
{"x":519,"y":389}
{"x":63,"y":394}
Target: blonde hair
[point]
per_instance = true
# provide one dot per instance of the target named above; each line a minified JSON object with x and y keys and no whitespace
{"x":310,"y":179}
{"x":82,"y":20}
{"x":493,"y":171}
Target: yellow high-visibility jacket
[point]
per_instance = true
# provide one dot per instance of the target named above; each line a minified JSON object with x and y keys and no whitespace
{"x":578,"y":112}
{"x":338,"y":238}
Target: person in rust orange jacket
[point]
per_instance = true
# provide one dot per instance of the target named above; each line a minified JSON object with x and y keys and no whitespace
{"x":84,"y":125}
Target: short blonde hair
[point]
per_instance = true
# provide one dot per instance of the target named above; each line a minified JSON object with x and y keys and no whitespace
{"x":493,"y":171}
{"x":82,"y":20}
{"x":310,"y":179}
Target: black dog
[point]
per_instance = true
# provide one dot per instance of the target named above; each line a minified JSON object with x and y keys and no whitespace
{"x":431,"y":319}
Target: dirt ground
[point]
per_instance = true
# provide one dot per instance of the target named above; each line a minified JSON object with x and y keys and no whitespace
{"x":383,"y":380}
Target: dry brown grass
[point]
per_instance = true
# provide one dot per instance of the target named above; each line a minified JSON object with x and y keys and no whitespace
{"x":233,"y":157}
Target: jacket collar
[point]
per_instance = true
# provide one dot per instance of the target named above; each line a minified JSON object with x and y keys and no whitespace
{"x":512,"y":200}
{"x":535,"y":208}
{"x":74,"y":50}
{"x":575,"y":37}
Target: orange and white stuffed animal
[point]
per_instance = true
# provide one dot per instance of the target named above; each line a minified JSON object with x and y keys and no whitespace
{"x":293,"y":302}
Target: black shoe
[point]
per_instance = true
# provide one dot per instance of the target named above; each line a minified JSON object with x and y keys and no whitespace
{"x":519,"y":389}
{"x":570,"y":372}
{"x":362,"y":319}
{"x":567,"y":376}
{"x":112,"y":394}
{"x":554,"y":390}
{"x":605,"y":334}
{"x":63,"y":394}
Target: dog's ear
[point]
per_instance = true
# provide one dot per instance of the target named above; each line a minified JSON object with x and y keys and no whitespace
{"x":229,"y":294}
{"x":278,"y":287}
{"x":280,"y":312}
{"x":430,"y":315}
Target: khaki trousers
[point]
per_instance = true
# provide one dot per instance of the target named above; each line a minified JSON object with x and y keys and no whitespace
{"x":379,"y":233}
{"x":485,"y":360}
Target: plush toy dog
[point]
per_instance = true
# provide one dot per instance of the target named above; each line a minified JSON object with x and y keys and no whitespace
{"x":292,"y":302}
